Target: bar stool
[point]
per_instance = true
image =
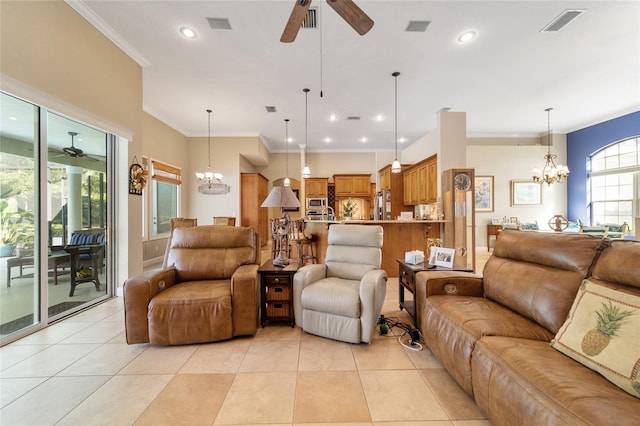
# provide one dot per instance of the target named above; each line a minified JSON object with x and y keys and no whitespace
{"x":303,"y":242}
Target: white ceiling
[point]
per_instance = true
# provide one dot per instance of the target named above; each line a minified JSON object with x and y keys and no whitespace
{"x":504,"y":79}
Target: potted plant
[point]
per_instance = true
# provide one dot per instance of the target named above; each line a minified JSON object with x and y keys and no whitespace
{"x":349,"y":208}
{"x":16,"y":228}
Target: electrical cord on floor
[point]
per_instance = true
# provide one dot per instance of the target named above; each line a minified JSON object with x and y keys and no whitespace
{"x":386,"y":324}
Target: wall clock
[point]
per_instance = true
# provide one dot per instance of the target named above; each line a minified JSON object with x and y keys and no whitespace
{"x":462,"y":182}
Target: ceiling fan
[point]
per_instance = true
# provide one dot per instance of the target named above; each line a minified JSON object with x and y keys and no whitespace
{"x":349,"y":11}
{"x":74,"y":152}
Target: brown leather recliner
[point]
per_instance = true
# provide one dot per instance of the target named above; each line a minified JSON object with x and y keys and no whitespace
{"x":207,"y":289}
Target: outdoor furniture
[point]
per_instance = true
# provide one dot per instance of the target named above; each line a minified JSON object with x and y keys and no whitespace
{"x":54,"y":261}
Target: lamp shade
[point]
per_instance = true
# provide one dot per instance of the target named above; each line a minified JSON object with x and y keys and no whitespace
{"x":281,"y":196}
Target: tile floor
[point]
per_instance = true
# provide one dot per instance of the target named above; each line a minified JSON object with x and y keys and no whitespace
{"x":81,"y":372}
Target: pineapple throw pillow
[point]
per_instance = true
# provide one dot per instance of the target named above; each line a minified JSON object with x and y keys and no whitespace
{"x":602,"y":332}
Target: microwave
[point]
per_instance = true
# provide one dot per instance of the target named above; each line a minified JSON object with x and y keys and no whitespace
{"x":316,"y":203}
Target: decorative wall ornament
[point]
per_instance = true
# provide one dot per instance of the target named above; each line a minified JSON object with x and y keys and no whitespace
{"x":137,"y":178}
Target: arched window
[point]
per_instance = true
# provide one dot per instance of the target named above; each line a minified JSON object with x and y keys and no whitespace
{"x":614,"y":183}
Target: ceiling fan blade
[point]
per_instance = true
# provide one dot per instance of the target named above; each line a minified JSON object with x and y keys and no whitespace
{"x":295,"y":20}
{"x":354,"y":16}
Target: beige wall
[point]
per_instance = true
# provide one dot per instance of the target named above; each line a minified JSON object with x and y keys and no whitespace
{"x":52,"y":56}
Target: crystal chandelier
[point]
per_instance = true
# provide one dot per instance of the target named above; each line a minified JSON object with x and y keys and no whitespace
{"x":209,"y":182}
{"x":395,"y":166}
{"x":550,"y":172}
{"x":306,"y":171}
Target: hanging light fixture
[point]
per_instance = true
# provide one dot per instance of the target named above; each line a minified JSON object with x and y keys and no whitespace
{"x":287,"y":181}
{"x":550,"y":172}
{"x":395,"y":166}
{"x":306,"y":172}
{"x":209,"y":182}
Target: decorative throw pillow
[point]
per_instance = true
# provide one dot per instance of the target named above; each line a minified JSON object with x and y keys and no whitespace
{"x":602,"y":332}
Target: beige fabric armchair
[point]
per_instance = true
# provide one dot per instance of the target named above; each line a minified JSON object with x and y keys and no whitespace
{"x":342,"y":298}
{"x":207,"y":289}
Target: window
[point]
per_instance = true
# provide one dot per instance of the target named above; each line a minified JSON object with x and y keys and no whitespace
{"x":165,"y":196}
{"x":613,"y":182}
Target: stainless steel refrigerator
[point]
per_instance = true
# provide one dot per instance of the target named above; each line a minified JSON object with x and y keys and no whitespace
{"x":382,"y":209}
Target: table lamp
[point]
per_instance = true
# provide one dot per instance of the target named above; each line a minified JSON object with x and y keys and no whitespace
{"x":282,"y":197}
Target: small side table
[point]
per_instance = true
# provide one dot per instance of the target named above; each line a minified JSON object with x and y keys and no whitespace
{"x":407,"y":280}
{"x":492,"y":229}
{"x":276,"y":292}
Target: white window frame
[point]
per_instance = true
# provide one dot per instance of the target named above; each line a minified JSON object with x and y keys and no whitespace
{"x":166,"y":173}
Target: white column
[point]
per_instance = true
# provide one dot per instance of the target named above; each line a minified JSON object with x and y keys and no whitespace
{"x":74,"y":199}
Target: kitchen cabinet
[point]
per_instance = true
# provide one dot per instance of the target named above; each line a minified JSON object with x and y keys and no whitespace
{"x":385,"y":177}
{"x":316,"y":187}
{"x":421,"y":182}
{"x":352,"y":185}
{"x":253,"y":191}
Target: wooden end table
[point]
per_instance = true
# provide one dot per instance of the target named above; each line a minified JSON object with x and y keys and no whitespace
{"x":276,"y":292}
{"x":407,"y":280}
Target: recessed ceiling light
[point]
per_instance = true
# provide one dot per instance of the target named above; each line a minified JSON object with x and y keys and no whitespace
{"x":327,"y":140}
{"x":363,"y":140}
{"x":12,"y":118}
{"x":466,"y":36}
{"x":379,"y":117}
{"x":290,"y":140}
{"x":188,"y":32}
{"x":333,"y":117}
{"x":402,"y":140}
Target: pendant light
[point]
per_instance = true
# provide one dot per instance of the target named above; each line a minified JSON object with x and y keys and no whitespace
{"x":550,"y":172}
{"x":210,"y":182}
{"x":306,"y":172}
{"x":395,"y":166}
{"x":287,"y":181}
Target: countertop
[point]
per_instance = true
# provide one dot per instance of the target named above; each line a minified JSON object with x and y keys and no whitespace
{"x":363,"y":221}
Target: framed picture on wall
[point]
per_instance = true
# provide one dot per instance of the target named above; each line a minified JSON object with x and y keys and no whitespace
{"x":525,"y":193}
{"x":484,"y":193}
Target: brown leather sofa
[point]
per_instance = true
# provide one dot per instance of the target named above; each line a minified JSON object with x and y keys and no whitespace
{"x":207,"y":289}
{"x":492,"y":332}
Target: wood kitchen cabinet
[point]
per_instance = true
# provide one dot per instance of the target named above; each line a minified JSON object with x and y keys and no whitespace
{"x":254,"y":189}
{"x":421,"y":182}
{"x":316,"y":187}
{"x":385,"y":177}
{"x":352,"y":185}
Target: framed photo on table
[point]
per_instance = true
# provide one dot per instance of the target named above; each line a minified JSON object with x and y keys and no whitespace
{"x":525,"y":193}
{"x":441,"y":256}
{"x":484,"y":193}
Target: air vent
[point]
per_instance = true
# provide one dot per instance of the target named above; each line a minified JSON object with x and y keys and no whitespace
{"x":563,"y":20}
{"x":353,"y":117}
{"x":219,"y":23}
{"x":417,"y":26}
{"x":271,"y":109}
{"x":310,"y":20}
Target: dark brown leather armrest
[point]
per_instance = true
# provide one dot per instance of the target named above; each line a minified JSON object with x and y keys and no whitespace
{"x":449,"y":283}
{"x":138,"y":292}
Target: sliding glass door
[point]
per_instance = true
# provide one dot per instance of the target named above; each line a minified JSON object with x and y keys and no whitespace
{"x":54,"y":220}
{"x":76,"y":214}
{"x":19,"y":227}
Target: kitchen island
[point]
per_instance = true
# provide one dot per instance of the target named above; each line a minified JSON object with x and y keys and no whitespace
{"x":399,"y":236}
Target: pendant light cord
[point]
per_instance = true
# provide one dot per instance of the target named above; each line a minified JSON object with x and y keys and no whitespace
{"x":209,"y":140}
{"x":395,"y":76}
{"x":306,"y":125}
{"x":320,"y":11}
{"x":549,"y":129}
{"x":286,"y":148}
